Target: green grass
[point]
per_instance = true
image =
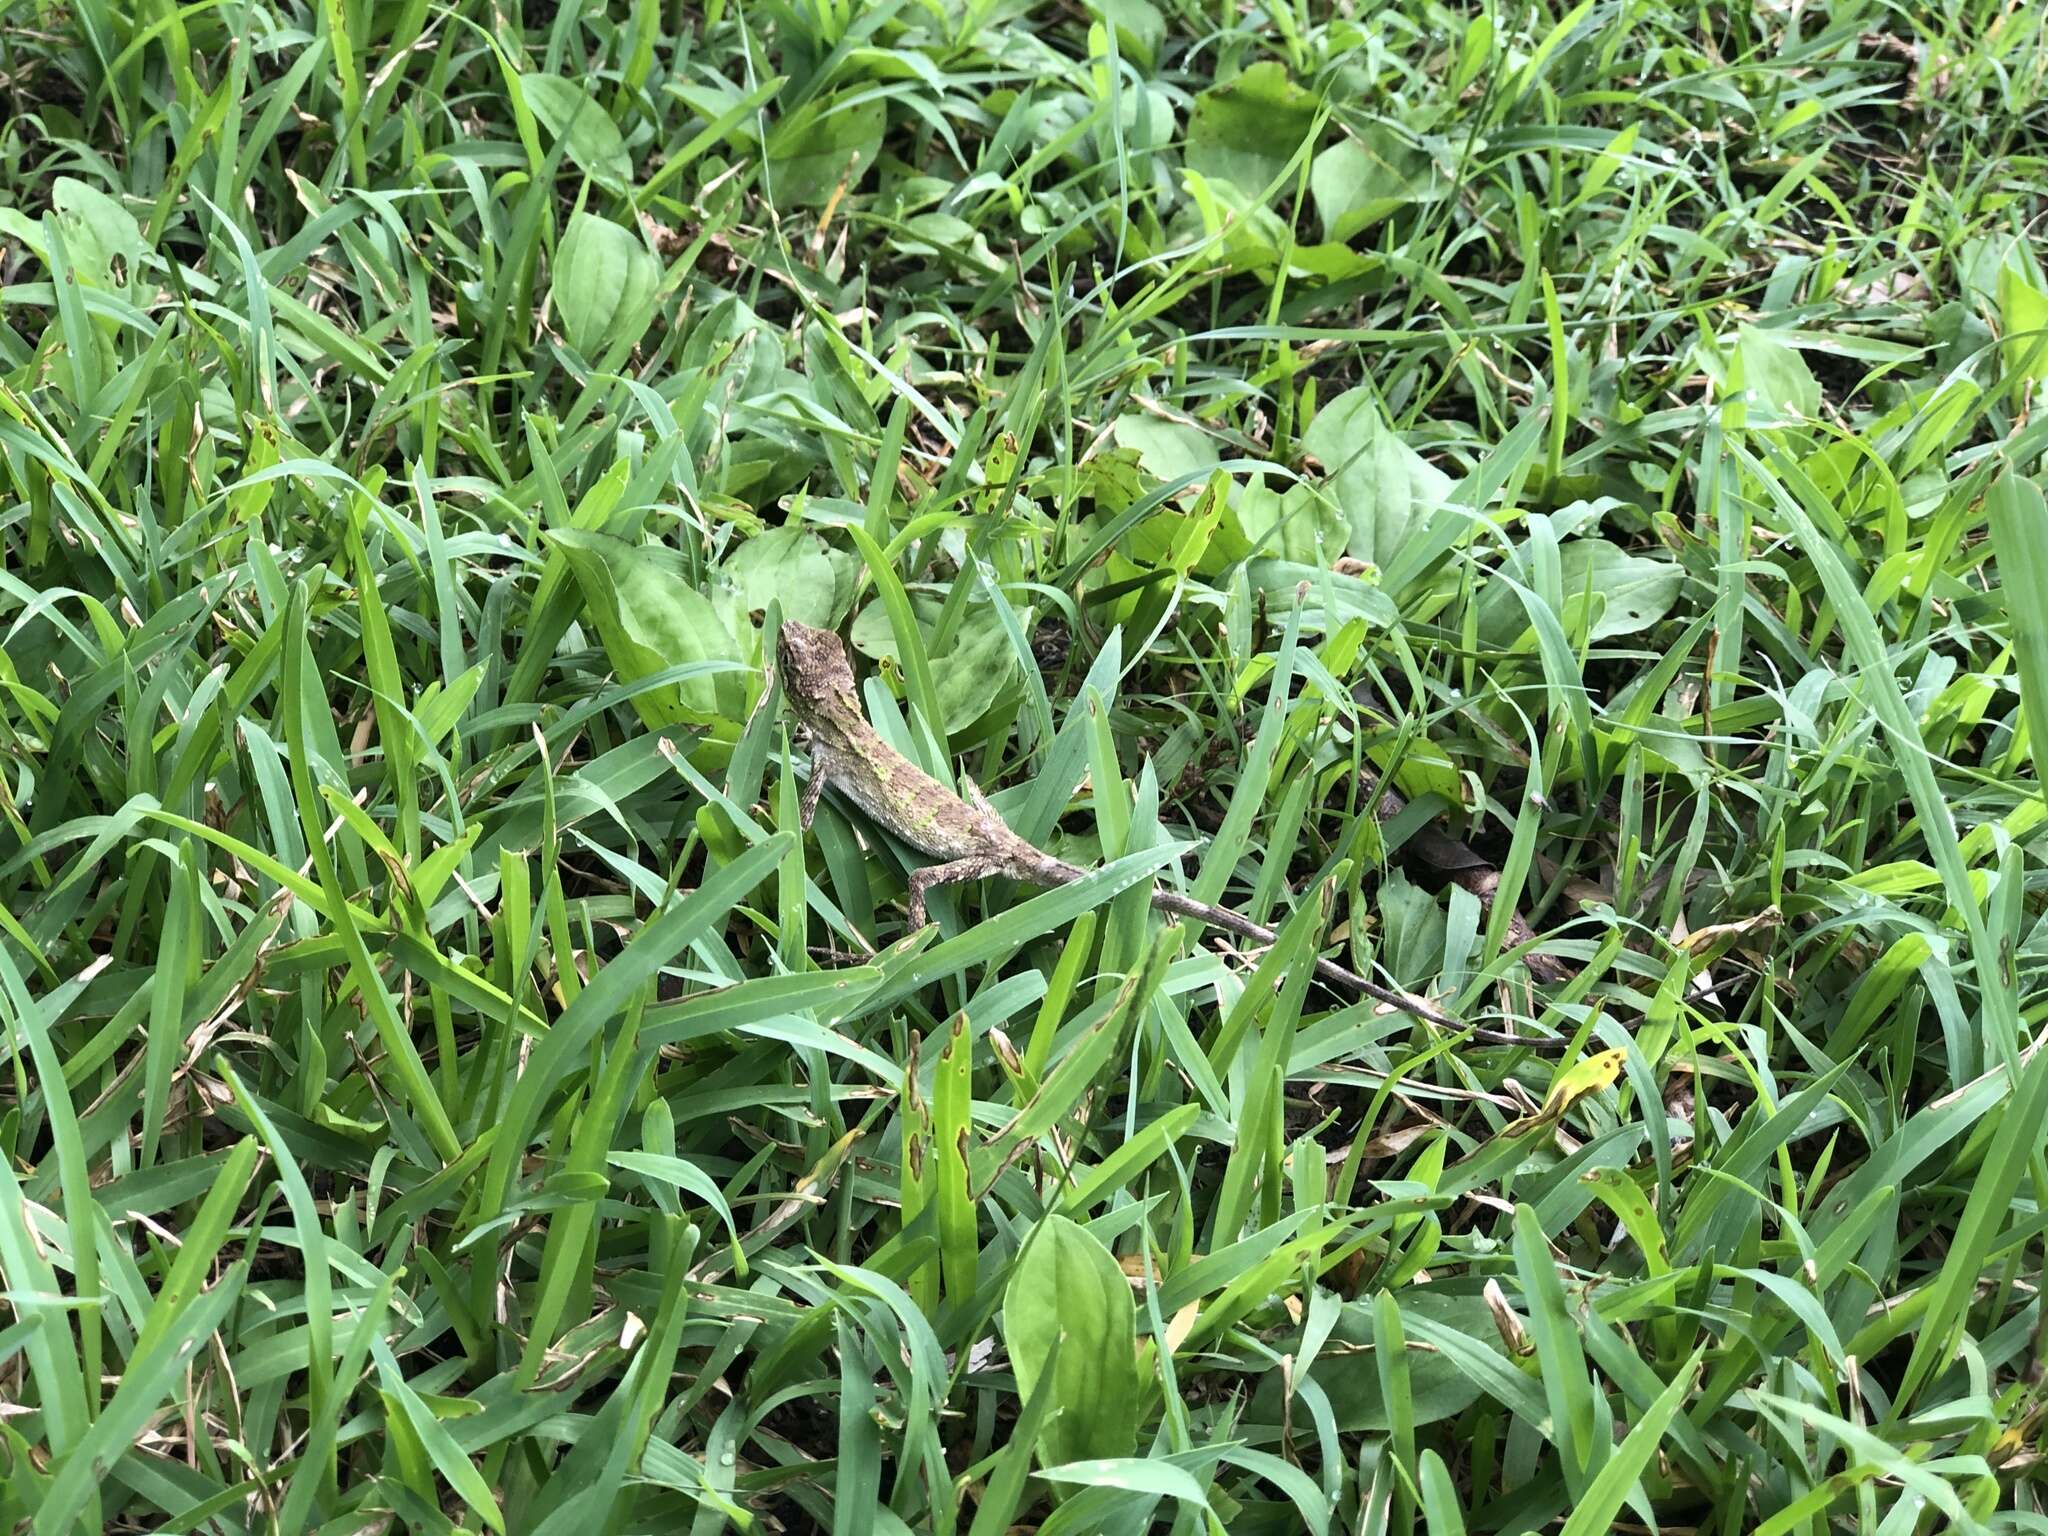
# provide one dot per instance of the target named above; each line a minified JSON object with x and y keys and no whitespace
{"x":1543,"y":506}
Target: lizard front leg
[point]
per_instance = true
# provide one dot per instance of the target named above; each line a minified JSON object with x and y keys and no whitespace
{"x":814,"y":791}
{"x":822,"y":773}
{"x":976,"y":866}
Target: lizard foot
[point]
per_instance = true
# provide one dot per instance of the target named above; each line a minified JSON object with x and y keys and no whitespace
{"x":973,"y":867}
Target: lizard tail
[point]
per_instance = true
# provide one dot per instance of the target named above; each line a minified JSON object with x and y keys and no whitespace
{"x":1215,"y":917}
{"x":1235,"y":922}
{"x":1258,"y":933}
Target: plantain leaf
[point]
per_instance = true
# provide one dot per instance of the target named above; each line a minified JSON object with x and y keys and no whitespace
{"x":1245,"y":130}
{"x":1387,"y":492}
{"x":969,"y":675}
{"x":102,"y":237}
{"x":1068,"y":1293}
{"x":792,"y":566}
{"x":650,"y":619}
{"x":594,"y":141}
{"x":2019,"y":535}
{"x":603,"y":278}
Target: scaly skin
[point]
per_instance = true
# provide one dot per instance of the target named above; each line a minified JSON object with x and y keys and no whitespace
{"x":967,"y":836}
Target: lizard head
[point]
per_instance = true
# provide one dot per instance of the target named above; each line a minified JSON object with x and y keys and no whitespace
{"x":813,"y":665}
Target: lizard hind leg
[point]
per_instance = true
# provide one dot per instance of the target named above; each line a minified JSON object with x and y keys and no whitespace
{"x":973,"y":867}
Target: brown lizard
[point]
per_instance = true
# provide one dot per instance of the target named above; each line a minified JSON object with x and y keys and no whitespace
{"x":967,"y":836}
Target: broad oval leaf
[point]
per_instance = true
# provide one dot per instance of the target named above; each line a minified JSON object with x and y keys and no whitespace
{"x":594,"y":142}
{"x":1387,"y":491}
{"x":1068,"y":1289}
{"x":1296,"y":525}
{"x":1620,"y":593}
{"x":1140,"y":29}
{"x":101,"y":237}
{"x":969,"y":675}
{"x":1168,"y":449}
{"x":1631,"y":592}
{"x":650,"y":619}
{"x":2023,"y":316}
{"x":1357,"y":182}
{"x":1246,"y":130}
{"x":790,"y":565}
{"x":603,"y":278}
{"x":1774,"y":378}
{"x":821,"y":147}
{"x":2019,"y":535}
